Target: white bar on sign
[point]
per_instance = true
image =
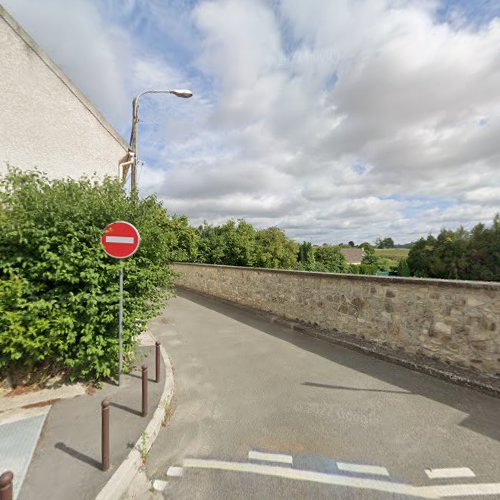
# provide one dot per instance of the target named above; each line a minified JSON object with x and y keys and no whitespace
{"x":450,"y":472}
{"x":270,"y":457}
{"x":363,"y":469}
{"x":119,"y":239}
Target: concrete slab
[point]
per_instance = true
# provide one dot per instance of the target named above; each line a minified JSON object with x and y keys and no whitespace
{"x":18,"y":440}
{"x":66,"y":463}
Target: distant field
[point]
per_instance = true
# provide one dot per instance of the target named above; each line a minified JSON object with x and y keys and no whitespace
{"x":392,"y":253}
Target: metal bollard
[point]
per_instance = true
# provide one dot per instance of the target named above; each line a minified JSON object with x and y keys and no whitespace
{"x":105,"y":435}
{"x":157,"y":361}
{"x":144,"y":390}
{"x":6,"y":485}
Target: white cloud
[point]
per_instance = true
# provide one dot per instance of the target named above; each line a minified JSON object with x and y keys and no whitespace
{"x":336,"y":121}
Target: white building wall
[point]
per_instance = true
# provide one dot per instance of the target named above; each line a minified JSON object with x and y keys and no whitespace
{"x":45,"y":121}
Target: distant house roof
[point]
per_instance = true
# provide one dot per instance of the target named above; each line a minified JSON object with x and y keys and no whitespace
{"x":353,"y":255}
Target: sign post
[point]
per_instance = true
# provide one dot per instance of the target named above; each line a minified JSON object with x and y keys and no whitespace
{"x":120,"y":240}
{"x":120,"y":327}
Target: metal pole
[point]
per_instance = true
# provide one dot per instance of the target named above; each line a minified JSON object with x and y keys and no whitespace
{"x":144,"y":390}
{"x":157,"y":345}
{"x":134,"y":143}
{"x":120,"y":328}
{"x":105,"y":435}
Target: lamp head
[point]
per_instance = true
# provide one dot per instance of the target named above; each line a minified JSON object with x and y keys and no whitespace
{"x":182,"y":93}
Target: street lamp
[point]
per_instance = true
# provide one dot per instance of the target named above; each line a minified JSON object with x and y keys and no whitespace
{"x":135,"y":130}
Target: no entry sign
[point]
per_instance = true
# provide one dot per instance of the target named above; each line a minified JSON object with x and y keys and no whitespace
{"x":120,"y":240}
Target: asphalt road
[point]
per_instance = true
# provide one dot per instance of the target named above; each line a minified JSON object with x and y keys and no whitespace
{"x":264,"y":412}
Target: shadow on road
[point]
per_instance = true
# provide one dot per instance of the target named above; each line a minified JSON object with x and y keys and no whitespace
{"x":78,"y":455}
{"x":330,"y":386}
{"x":126,"y":408}
{"x":133,"y":375}
{"x":483,"y":410}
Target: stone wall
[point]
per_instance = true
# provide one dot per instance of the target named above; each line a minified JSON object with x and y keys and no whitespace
{"x":455,"y":322}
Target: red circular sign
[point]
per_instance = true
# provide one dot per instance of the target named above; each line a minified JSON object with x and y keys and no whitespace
{"x":120,"y":240}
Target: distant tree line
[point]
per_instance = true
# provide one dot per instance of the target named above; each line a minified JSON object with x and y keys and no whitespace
{"x":238,"y":243}
{"x":459,"y":254}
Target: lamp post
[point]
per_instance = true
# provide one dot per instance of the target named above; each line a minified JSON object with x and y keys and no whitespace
{"x":135,"y":129}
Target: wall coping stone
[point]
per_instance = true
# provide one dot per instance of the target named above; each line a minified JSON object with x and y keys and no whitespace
{"x":396,"y":280}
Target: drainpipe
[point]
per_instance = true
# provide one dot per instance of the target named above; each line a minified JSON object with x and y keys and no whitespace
{"x":122,"y":165}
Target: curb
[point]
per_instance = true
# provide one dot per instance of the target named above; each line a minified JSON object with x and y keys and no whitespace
{"x":121,"y":479}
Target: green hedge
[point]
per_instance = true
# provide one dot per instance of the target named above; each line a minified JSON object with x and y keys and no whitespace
{"x":58,"y":288}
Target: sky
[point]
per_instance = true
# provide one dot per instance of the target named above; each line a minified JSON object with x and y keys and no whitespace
{"x":335,"y":120}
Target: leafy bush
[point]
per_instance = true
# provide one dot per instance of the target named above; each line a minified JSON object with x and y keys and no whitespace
{"x":59,"y":290}
{"x":330,"y":259}
{"x":404,"y":268}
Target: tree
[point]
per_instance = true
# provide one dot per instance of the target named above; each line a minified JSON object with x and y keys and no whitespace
{"x":212,"y":245}
{"x":183,"y":239}
{"x":330,"y":259}
{"x":306,"y":256}
{"x":373,"y":263}
{"x":421,"y":256}
{"x":274,"y":250}
{"x":459,"y":254}
{"x":384,"y":243}
{"x":367,"y":247}
{"x":483,"y":253}
{"x":240,"y":243}
{"x":403,"y":268}
{"x":351,"y":243}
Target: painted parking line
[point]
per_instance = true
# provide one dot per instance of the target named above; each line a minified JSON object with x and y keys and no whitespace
{"x":159,"y":485}
{"x":460,"y":490}
{"x":363,"y":469}
{"x":174,"y":472}
{"x":270,"y":457}
{"x":449,"y":472}
{"x":446,"y":491}
{"x":305,"y":475}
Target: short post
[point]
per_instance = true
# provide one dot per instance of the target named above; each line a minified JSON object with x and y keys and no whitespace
{"x":157,"y":361}
{"x":144,"y":390}
{"x":105,"y":435}
{"x":6,"y":485}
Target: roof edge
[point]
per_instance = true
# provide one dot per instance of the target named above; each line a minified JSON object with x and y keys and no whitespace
{"x":30,"y":42}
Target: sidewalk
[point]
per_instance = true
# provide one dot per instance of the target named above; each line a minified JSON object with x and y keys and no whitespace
{"x":66,"y":462}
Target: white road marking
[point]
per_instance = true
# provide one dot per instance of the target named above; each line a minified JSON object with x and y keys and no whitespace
{"x":306,"y":475}
{"x":159,"y":485}
{"x":270,"y":457}
{"x":119,"y":239}
{"x":174,"y":472}
{"x":348,"y":481}
{"x":450,"y":472}
{"x":461,"y":490}
{"x":363,"y":469}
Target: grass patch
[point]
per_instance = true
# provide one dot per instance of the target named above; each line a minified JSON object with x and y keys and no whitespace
{"x":395,"y":254}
